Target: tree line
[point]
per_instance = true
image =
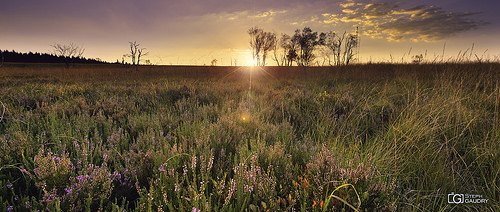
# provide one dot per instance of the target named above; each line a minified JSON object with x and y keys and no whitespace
{"x":303,"y":47}
{"x":70,"y":54}
{"x":18,"y":57}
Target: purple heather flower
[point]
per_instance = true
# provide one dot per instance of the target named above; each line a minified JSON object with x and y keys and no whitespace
{"x":10,"y":208}
{"x":162,"y":167}
{"x":68,"y":191}
{"x":27,"y":204}
{"x":9,"y":186}
{"x":116,"y":176}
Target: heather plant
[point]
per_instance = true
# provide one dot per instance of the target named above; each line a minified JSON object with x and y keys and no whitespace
{"x":89,"y":190}
{"x":51,"y":171}
{"x":14,"y":147}
{"x":251,"y":183}
{"x":327,"y":172}
{"x":365,"y":137}
{"x":69,"y":187}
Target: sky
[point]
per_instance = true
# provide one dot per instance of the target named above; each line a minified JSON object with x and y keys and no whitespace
{"x":194,"y":32}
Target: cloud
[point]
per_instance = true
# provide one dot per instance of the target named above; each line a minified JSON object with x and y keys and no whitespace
{"x":270,"y":13}
{"x":388,"y":20}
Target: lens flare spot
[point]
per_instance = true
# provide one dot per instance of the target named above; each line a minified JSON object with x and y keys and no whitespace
{"x":245,"y":117}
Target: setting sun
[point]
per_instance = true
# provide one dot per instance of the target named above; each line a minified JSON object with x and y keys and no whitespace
{"x":248,"y":60}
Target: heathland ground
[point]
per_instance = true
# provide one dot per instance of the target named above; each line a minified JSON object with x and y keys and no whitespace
{"x":178,"y":138}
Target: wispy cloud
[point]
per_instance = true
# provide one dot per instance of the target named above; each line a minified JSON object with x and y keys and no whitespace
{"x":388,"y":20}
{"x":270,"y":13}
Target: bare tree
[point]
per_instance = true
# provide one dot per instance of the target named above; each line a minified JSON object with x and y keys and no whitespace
{"x":136,"y":52}
{"x":69,"y":51}
{"x":261,"y":43}
{"x":214,"y":62}
{"x":141,"y":53}
{"x":332,"y":42}
{"x":133,"y":51}
{"x":350,"y":44}
{"x":341,"y":47}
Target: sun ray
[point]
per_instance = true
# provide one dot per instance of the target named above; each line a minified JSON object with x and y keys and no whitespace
{"x":232,"y":72}
{"x":266,"y":72}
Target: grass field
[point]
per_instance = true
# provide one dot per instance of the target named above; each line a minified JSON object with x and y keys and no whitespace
{"x":377,"y":137}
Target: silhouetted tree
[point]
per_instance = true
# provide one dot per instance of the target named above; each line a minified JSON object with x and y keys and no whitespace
{"x":331,"y":47}
{"x":261,"y":43}
{"x":291,"y":56}
{"x":256,"y":43}
{"x":70,"y":52}
{"x":350,"y":43}
{"x":141,"y":53}
{"x":306,"y":40}
{"x":288,"y":52}
{"x":136,"y":52}
{"x":213,"y":62}
{"x":133,"y":51}
{"x":341,"y":47}
{"x":279,"y":57}
{"x":269,"y":43}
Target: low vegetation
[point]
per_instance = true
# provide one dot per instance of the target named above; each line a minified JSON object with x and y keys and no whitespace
{"x":356,"y":138}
